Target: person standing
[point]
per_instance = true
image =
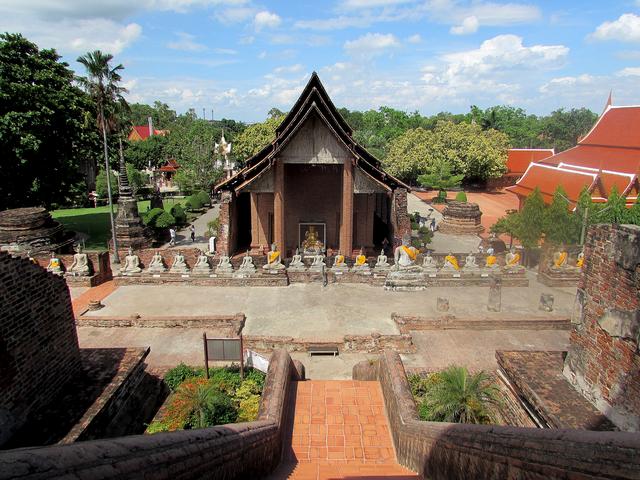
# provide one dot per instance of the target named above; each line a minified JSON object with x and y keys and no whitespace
{"x":432,"y":226}
{"x":172,"y":234}
{"x":193,"y":233}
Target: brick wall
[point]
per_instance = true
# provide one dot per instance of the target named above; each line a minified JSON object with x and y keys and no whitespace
{"x":603,"y":362}
{"x":223,"y":245}
{"x":400,"y":223}
{"x":233,"y":451}
{"x":439,"y":450}
{"x":38,"y":342}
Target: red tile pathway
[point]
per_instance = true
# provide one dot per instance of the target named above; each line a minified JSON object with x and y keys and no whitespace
{"x":96,"y":293}
{"x":340,"y":431}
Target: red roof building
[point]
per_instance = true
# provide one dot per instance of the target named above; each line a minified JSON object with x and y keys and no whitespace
{"x":518,"y":159}
{"x":607,"y":156}
{"x":139,"y":133}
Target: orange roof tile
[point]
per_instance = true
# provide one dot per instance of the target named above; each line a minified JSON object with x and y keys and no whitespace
{"x":547,"y":178}
{"x":518,"y":159}
{"x":143,"y":131}
{"x":616,"y":127}
{"x":624,"y":160}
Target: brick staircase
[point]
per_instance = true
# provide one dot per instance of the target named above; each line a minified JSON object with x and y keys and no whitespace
{"x":339,"y":430}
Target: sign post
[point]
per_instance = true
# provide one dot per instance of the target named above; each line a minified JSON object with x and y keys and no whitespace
{"x":223,"y":349}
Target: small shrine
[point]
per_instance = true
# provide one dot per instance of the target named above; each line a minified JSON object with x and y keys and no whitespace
{"x":461,"y":218}
{"x":32,"y":229}
{"x":130,"y":231}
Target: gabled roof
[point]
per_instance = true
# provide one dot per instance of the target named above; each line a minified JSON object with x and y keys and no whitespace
{"x":518,"y":159}
{"x":313,"y":100}
{"x":617,"y":127}
{"x":547,"y":178}
{"x":171,"y":165}
{"x":142,"y":131}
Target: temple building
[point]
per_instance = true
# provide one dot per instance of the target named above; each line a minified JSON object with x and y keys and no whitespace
{"x":139,"y":133}
{"x":607,"y":156}
{"x":313,"y":187}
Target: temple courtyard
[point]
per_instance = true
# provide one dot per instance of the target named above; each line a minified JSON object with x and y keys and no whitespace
{"x":311,"y":313}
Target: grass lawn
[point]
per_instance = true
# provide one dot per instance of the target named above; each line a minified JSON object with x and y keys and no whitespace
{"x":95,"y":223}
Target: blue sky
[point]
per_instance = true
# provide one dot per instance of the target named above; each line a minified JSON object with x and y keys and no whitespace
{"x":239,"y":58}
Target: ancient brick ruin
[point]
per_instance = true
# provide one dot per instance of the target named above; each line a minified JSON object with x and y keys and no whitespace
{"x":603,"y":362}
{"x":38,"y":341}
{"x":461,"y":218}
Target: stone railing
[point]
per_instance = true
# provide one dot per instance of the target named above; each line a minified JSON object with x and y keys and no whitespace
{"x":233,"y":451}
{"x":457,"y":451}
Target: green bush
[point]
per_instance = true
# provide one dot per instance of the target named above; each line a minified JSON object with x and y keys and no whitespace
{"x":203,"y":197}
{"x":257,"y":376}
{"x":174,"y":377}
{"x":193,"y":203}
{"x":424,"y":230}
{"x":461,"y":197}
{"x":151,"y":216}
{"x":165,"y":220}
{"x":214,"y":226}
{"x":226,"y":379}
{"x":219,"y":410}
{"x":157,"y":427}
{"x":179,"y":214}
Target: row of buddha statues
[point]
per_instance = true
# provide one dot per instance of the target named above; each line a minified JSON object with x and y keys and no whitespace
{"x":560,"y":262}
{"x":80,"y":267}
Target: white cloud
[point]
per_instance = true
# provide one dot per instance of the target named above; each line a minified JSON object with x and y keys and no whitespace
{"x":247,"y":40}
{"x":371,"y":44}
{"x":629,"y":72}
{"x":225,"y":51}
{"x":298,"y":67}
{"x":357,"y":4}
{"x":414,"y":38}
{"x":186,"y":43}
{"x":234,"y":14}
{"x":625,"y":29}
{"x":266,"y":19}
{"x":468,"y":25}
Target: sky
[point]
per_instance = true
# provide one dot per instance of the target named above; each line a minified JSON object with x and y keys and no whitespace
{"x":239,"y":58}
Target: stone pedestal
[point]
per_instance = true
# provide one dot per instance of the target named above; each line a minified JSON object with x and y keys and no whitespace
{"x":495,"y":294}
{"x":405,"y":281}
{"x":461,"y":218}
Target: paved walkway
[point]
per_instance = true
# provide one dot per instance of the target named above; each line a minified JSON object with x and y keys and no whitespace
{"x":339,"y":431}
{"x":100,"y":292}
{"x":183,"y":237}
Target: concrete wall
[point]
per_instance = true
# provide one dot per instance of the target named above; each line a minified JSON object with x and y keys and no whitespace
{"x":39,"y":349}
{"x":456,"y":451}
{"x":603,"y":362}
{"x":234,"y":451}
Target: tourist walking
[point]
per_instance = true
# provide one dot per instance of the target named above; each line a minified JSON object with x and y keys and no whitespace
{"x":193,"y":233}
{"x":172,"y":234}
{"x":432,"y":225}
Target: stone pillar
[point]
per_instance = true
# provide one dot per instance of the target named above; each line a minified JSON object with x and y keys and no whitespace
{"x":255,"y":221}
{"x":223,"y":240}
{"x":278,"y":208}
{"x":495,"y":294}
{"x":346,"y":224}
{"x":400,"y":223}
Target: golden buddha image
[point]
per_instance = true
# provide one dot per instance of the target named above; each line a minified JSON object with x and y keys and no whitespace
{"x":311,"y":241}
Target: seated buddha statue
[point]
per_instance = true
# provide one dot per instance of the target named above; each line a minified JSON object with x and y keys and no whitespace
{"x":296,"y":262}
{"x":405,"y":256}
{"x":179,"y":265}
{"x":156,"y":264}
{"x":559,"y":259}
{"x":512,"y":261}
{"x":54,"y":265}
{"x":224,"y":265}
{"x":202,"y":266}
{"x":451,"y":262}
{"x":311,"y":242}
{"x":491,"y":261}
{"x":580,"y":260}
{"x":470,"y":262}
{"x":80,"y":265}
{"x":429,"y":263}
{"x":339,"y":262}
{"x":131,"y":263}
{"x":274,"y":260}
{"x":247,"y":265}
{"x":381,"y":262}
{"x":361,"y":264}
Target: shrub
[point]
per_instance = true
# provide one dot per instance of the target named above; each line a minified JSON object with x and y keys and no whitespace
{"x":219,"y":410}
{"x":214,"y":226}
{"x":174,"y":377}
{"x":226,"y":379}
{"x":151,"y":216}
{"x":424,"y":230}
{"x":157,"y":427}
{"x":165,"y":220}
{"x":203,"y":197}
{"x":414,"y":226}
{"x":179,"y":214}
{"x":248,"y":409}
{"x":193,"y":202}
{"x":461,"y":197}
{"x":257,"y":376}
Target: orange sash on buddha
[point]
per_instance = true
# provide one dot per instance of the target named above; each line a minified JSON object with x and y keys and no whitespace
{"x":409,"y":251}
{"x":515,"y":259}
{"x":453,"y":261}
{"x":561,"y":259}
{"x":339,"y":259}
{"x":360,"y":259}
{"x":273,"y":256}
{"x":491,"y":260}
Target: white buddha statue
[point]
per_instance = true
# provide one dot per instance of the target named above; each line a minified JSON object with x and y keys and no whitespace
{"x":156,"y":265}
{"x":80,"y":265}
{"x":470,"y":262}
{"x":224,"y":265}
{"x":429,"y":263}
{"x":247,"y":265}
{"x":202,"y":266}
{"x":318,"y":262}
{"x":381,"y":262}
{"x":405,"y":256}
{"x":131,"y":263}
{"x":274,"y":259}
{"x":179,"y":265}
{"x":296,"y":262}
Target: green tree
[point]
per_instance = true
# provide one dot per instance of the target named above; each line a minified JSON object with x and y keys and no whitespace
{"x":148,"y":153}
{"x":101,"y":183}
{"x":615,"y":210}
{"x":460,"y":397}
{"x":633,"y":214}
{"x":160,"y":113}
{"x":532,"y":220}
{"x":137,"y":179}
{"x":560,"y":224}
{"x":102,"y":84}
{"x":45,"y":135}
{"x":562,"y":128}
{"x":255,"y":137}
{"x":439,"y":177}
{"x":509,"y":225}
{"x":408,"y":154}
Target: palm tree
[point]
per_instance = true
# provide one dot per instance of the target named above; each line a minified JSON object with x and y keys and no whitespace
{"x":101,"y":84}
{"x":460,"y":397}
